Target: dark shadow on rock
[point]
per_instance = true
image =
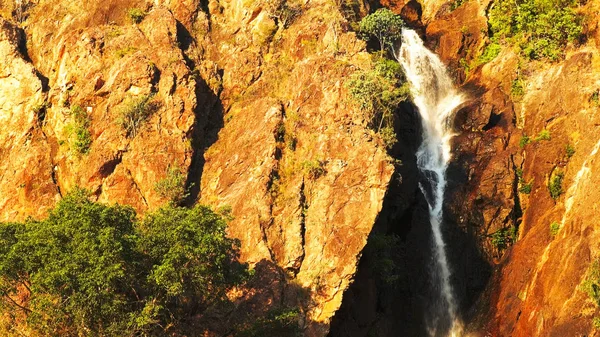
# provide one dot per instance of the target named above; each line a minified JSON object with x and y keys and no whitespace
{"x":208,"y":119}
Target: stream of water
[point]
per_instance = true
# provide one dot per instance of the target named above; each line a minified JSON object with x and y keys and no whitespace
{"x":436,"y":98}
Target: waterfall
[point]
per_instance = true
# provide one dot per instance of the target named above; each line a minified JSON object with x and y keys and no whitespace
{"x":436,"y":99}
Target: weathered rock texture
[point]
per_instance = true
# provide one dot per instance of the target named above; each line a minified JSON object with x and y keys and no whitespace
{"x":250,"y":106}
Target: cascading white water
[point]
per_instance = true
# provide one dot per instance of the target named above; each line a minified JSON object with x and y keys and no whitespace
{"x":436,"y":98}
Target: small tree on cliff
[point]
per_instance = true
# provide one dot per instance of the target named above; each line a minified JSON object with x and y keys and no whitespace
{"x":384,"y":25}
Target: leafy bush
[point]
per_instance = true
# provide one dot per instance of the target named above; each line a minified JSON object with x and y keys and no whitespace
{"x":135,"y":112}
{"x":591,"y":283}
{"x":594,"y":98}
{"x":172,"y":187}
{"x":378,"y":92}
{"x":283,"y":12}
{"x":313,"y":169}
{"x":569,"y":150}
{"x":384,"y":25}
{"x":554,"y":228}
{"x":525,"y":188}
{"x":541,"y":28}
{"x":93,"y":270}
{"x":280,"y":322}
{"x":490,"y":52}
{"x":525,"y":140}
{"x":516,"y":88}
{"x":456,"y":3}
{"x":125,"y":51}
{"x":79,"y":137}
{"x":555,"y":185}
{"x":503,"y":237}
{"x":543,"y":135}
{"x":136,"y":15}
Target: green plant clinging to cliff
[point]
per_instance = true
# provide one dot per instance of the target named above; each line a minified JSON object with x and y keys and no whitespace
{"x":541,"y":28}
{"x":172,"y":187}
{"x":136,"y":15}
{"x":384,"y":25}
{"x":379,"y":92}
{"x":135,"y":112}
{"x":79,"y":137}
{"x":555,"y":185}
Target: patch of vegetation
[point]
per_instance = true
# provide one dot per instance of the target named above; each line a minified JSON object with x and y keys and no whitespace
{"x":90,"y":269}
{"x":555,"y":185}
{"x":134,"y":112}
{"x":543,"y":135}
{"x":525,"y":140}
{"x":594,"y":98}
{"x":378,"y":93}
{"x":489,"y":53}
{"x":173,"y":186}
{"x":78,"y":135}
{"x":596,"y":323}
{"x":283,"y":12}
{"x":384,"y":25}
{"x":516,"y":88}
{"x":540,"y":28}
{"x":383,"y":248}
{"x":313,"y":169}
{"x":280,"y":322}
{"x":136,"y":15}
{"x":569,"y":150}
{"x":554,"y":228}
{"x":456,"y":3}
{"x":125,"y":51}
{"x":503,"y":237}
{"x":591,"y":283}
{"x":526,"y":187}
{"x":40,"y":110}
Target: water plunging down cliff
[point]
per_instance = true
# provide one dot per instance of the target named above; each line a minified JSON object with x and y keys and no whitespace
{"x":436,"y":99}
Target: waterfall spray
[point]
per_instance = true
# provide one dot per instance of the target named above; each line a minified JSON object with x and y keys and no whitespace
{"x":436,"y":99}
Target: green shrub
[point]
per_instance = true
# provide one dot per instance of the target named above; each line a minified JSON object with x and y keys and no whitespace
{"x":525,"y":140}
{"x":135,"y":112}
{"x":569,"y":150}
{"x":173,"y":186}
{"x":502,"y":238}
{"x":541,"y":28}
{"x":277,"y":322}
{"x":383,"y":25}
{"x":136,"y":15}
{"x":125,"y":51}
{"x":594,"y":99}
{"x":554,"y":228}
{"x":78,"y":135}
{"x":456,"y":3}
{"x":490,"y":52}
{"x":90,"y":269}
{"x":313,"y":169}
{"x":378,"y":92}
{"x":596,"y":323}
{"x":543,"y":135}
{"x":555,"y":185}
{"x":516,"y":88}
{"x":591,"y":283}
{"x":526,"y":188}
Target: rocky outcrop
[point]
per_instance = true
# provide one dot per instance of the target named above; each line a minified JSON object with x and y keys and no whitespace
{"x":248,"y":105}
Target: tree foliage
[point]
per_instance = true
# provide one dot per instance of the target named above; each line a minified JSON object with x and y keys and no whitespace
{"x":541,"y":28}
{"x":384,"y":25}
{"x":378,"y":92}
{"x":94,"y":270}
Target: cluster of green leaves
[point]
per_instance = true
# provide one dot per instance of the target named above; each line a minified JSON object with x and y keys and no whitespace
{"x":384,"y":25}
{"x":79,"y":137}
{"x":378,"y":92}
{"x":279,"y":322}
{"x":526,"y":187}
{"x":543,"y":135}
{"x":134,"y":112}
{"x":136,"y":15}
{"x":569,"y":150}
{"x":384,"y":250}
{"x":591,"y":283}
{"x":554,"y":228}
{"x":541,"y":28}
{"x":173,"y":186}
{"x":284,"y":12}
{"x":503,"y":237}
{"x":594,"y":98}
{"x":555,"y":184}
{"x":313,"y":169}
{"x":95,"y":270}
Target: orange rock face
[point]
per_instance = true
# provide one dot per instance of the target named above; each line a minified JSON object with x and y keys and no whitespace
{"x":253,"y":110}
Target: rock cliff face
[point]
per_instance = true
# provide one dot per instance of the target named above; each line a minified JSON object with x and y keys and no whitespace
{"x":250,"y":106}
